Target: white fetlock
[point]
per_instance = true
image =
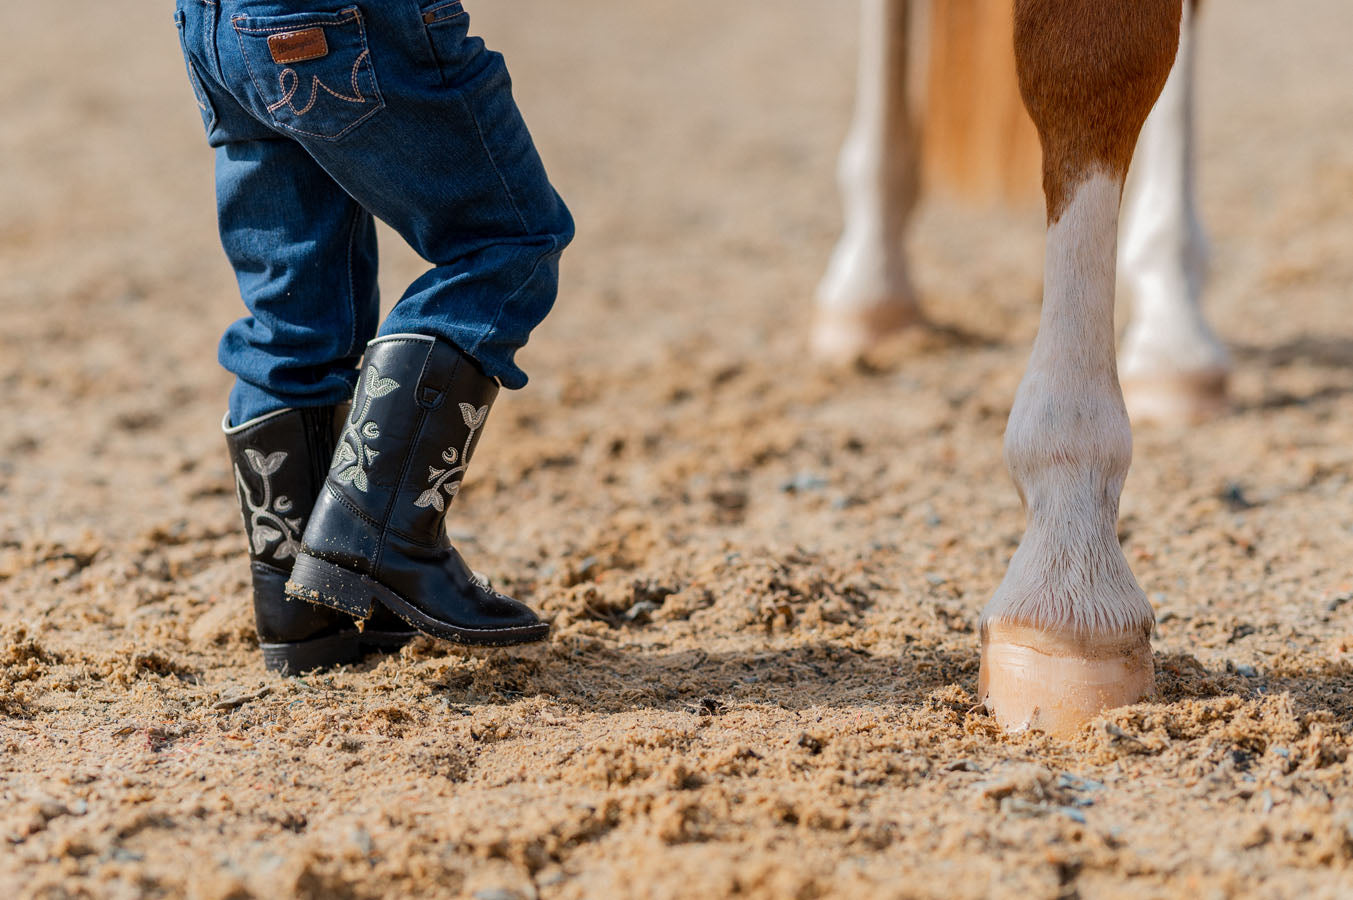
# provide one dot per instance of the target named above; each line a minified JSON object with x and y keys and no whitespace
{"x":1177,"y":398}
{"x":844,"y":335}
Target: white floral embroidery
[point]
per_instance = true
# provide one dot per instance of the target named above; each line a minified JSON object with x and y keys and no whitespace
{"x":267,"y":520}
{"x":354,"y":454}
{"x":440,"y":479}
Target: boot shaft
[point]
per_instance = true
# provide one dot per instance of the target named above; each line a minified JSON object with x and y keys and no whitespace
{"x":416,"y":418}
{"x":279,"y":462}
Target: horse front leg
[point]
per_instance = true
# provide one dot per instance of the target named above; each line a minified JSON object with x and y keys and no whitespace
{"x":867,"y":292}
{"x":1068,"y":632}
{"x":1174,"y":369}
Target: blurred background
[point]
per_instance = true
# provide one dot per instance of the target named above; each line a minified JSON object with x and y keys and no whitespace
{"x":711,"y":521}
{"x":696,"y":143}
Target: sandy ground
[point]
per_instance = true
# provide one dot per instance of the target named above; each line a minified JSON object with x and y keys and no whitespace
{"x":764,"y":578}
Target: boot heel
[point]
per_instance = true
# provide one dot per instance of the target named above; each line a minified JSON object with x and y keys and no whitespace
{"x":299,"y":657}
{"x":316,"y":581}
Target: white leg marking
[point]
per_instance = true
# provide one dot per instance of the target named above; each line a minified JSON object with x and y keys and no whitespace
{"x":1174,"y":367}
{"x":867,"y":291}
{"x":1068,"y":631}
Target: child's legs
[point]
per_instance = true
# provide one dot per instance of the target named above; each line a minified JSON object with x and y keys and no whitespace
{"x":304,"y":254}
{"x":303,"y":251}
{"x":488,"y":217}
{"x":415,"y":119}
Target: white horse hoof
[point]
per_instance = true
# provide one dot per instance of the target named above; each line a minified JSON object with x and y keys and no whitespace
{"x":1177,"y":398}
{"x":1055,"y":683}
{"x":843,"y":336}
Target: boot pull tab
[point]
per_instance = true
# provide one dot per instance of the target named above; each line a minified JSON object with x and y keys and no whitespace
{"x":430,"y":393}
{"x":430,"y":397}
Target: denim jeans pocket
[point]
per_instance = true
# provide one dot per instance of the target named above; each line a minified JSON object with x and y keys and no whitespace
{"x":313,"y":71}
{"x":199,"y":90}
{"x":444,"y":11}
{"x":447,"y":25}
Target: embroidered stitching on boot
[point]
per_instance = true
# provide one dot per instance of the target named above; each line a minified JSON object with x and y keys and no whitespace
{"x":353,"y":458}
{"x":267,"y":522}
{"x":440,"y":478}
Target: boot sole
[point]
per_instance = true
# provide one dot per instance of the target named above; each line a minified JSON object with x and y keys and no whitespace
{"x":330,"y":652}
{"x":299,"y":657}
{"x":384,"y":641}
{"x":317,"y":581}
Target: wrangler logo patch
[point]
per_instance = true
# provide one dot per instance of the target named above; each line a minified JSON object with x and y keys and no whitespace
{"x":298,"y":46}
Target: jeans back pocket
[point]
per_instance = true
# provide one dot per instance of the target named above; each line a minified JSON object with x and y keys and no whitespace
{"x":313,"y":71}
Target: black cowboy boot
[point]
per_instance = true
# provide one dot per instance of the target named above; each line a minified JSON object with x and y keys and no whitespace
{"x":279,"y":462}
{"x":377,"y":536}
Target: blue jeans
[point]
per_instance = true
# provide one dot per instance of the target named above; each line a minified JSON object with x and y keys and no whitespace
{"x":324,"y":114}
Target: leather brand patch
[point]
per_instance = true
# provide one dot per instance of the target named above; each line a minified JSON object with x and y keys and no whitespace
{"x":298,"y":46}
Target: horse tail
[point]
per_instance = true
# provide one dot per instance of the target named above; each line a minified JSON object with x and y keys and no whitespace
{"x":978,"y":143}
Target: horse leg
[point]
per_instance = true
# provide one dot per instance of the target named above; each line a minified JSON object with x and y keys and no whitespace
{"x":1068,"y":632}
{"x":867,"y":292}
{"x":1174,"y":369}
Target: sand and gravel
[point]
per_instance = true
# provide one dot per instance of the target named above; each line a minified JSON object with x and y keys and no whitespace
{"x":764,"y":577}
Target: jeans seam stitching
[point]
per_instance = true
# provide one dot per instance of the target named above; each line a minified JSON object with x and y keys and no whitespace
{"x":197,"y":90}
{"x":479,"y":133}
{"x":454,"y":4}
{"x":210,"y":25}
{"x":352,"y":14}
{"x":199,"y":87}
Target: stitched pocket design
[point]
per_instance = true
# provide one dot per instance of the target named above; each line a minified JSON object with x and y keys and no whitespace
{"x":313,"y":71}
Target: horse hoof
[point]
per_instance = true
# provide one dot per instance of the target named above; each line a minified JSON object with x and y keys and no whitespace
{"x":1037,"y":679}
{"x":845,"y":335}
{"x":1180,"y":398}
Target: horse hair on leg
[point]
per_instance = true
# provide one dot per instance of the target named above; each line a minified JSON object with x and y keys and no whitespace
{"x":1068,"y":632}
{"x":867,"y":293}
{"x":1174,"y":368}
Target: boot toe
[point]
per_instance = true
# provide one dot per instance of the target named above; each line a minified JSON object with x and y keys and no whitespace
{"x":501,"y":609}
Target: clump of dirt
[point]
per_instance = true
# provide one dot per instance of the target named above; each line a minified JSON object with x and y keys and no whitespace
{"x":22,"y":660}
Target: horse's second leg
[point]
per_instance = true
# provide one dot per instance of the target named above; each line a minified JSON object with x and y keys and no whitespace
{"x":1068,"y":632}
{"x":1174,"y":369}
{"x":867,"y":292}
